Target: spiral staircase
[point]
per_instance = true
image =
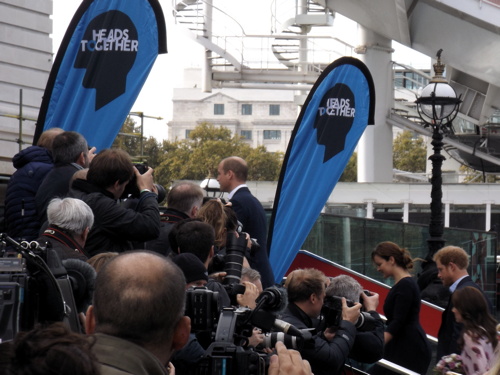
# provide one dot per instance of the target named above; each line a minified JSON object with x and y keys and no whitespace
{"x":291,"y":57}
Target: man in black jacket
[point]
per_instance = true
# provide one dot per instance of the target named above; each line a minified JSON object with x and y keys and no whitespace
{"x":369,"y":344}
{"x":70,"y":221}
{"x":70,"y":153}
{"x":232,"y":175}
{"x":452,"y":263}
{"x":116,"y":226}
{"x":330,"y":347}
{"x":183,"y":202}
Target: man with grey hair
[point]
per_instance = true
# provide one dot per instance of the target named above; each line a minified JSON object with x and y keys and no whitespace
{"x":137,"y":317}
{"x":368,"y":346}
{"x":71,"y":153}
{"x":69,"y":223}
{"x":183,"y":202}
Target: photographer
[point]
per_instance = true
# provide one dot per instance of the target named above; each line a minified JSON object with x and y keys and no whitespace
{"x":331,"y":346}
{"x":116,"y":226}
{"x":369,"y":344}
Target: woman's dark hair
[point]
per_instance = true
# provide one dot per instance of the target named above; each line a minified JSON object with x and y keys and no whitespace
{"x":388,"y":249}
{"x":477,"y":320}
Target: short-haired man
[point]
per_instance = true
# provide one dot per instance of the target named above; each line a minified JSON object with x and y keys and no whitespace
{"x":198,"y":238}
{"x":116,"y":226}
{"x":452,"y":263}
{"x":252,"y":276}
{"x":369,"y":343}
{"x":137,"y":316}
{"x":306,"y":293}
{"x":32,"y":164}
{"x":70,"y":153}
{"x":70,"y":221}
{"x":232,"y":175}
{"x":183,"y":202}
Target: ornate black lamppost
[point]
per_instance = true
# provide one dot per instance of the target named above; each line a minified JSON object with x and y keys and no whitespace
{"x":437,"y":106}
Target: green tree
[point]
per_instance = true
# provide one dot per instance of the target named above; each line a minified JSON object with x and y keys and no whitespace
{"x":198,"y":156}
{"x":129,"y":138}
{"x":350,"y":173}
{"x":475,"y":176}
{"x":409,"y":152}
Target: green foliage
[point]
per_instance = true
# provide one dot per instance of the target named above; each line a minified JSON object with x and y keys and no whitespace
{"x":129,"y":138}
{"x":475,"y":176}
{"x":409,"y":152}
{"x":350,"y":173}
{"x":198,"y":156}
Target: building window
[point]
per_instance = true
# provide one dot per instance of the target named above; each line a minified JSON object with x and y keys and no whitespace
{"x":187,"y":133}
{"x":274,"y":109}
{"x":246,"y":134}
{"x":246,"y":109}
{"x":272,"y":134}
{"x":218,"y":109}
{"x":410,"y":80}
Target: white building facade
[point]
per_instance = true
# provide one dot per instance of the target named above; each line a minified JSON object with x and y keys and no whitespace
{"x":260,"y":117}
{"x":25,"y":63}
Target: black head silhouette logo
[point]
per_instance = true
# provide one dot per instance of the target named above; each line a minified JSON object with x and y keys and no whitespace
{"x":334,"y":119}
{"x":107,"y":51}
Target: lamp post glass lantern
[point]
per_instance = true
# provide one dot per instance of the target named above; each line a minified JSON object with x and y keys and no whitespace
{"x":437,"y":106}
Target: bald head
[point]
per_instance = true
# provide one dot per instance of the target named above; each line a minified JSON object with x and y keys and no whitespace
{"x":139,"y":296}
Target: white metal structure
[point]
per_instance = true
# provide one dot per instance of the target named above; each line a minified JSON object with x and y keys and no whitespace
{"x":467,"y":30}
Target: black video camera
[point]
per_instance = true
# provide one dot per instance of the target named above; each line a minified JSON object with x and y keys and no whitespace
{"x":34,"y":288}
{"x":203,"y":308}
{"x":229,"y":352}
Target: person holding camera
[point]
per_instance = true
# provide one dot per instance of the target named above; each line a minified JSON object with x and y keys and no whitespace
{"x":116,"y":226}
{"x":330,"y":347}
{"x":369,"y":344}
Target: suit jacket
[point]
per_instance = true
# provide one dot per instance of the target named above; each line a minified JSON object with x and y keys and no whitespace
{"x":450,"y":330}
{"x":253,"y":217}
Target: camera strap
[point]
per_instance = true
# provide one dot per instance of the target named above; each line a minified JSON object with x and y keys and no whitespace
{"x":61,"y":236}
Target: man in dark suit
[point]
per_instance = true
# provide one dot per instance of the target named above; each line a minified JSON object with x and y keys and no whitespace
{"x":232,"y":177}
{"x":452,"y":263}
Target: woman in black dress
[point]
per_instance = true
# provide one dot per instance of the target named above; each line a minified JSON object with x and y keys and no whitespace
{"x":406,"y":343}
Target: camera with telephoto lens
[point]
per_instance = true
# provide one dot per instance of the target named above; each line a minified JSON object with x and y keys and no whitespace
{"x":34,"y":288}
{"x":332,"y":314}
{"x":229,"y":352}
{"x":297,"y":342}
{"x":233,"y":264}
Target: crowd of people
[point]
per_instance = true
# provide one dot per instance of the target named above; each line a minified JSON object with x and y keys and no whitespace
{"x":148,"y":261}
